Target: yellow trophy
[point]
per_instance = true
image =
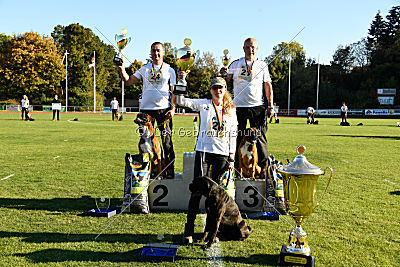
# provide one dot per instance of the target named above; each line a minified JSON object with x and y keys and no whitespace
{"x":300,"y":179}
{"x":122,"y":42}
{"x":185,"y":58}
{"x":226,"y":58}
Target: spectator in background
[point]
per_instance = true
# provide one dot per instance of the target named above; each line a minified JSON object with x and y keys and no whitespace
{"x":24,"y":107}
{"x":276,"y":110}
{"x":55,"y":109}
{"x":114,"y":108}
{"x":310,"y":115}
{"x":343,"y":112}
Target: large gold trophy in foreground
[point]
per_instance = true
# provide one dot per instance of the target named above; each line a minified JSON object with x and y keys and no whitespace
{"x":300,"y":185}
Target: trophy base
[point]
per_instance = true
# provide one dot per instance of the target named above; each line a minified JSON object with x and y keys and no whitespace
{"x":180,"y":89}
{"x":289,"y":259}
{"x":117,"y":60}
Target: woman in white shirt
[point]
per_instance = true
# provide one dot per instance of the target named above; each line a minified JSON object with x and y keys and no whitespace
{"x":216,"y":141}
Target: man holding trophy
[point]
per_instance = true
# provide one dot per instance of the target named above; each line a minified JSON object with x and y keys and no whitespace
{"x":157,"y":98}
{"x":249,"y":76}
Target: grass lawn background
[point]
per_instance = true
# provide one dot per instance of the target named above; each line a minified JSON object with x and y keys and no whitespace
{"x":59,"y":168}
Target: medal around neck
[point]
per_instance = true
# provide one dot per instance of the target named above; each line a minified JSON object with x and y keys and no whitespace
{"x":185,"y":58}
{"x":300,"y":179}
{"x":122,"y":42}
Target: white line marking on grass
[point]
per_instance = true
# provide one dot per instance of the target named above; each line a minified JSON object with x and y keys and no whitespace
{"x":97,"y":124}
{"x":386,"y":180}
{"x":56,"y":157}
{"x":11,"y":175}
{"x":214,"y":254}
{"x":65,"y":140}
{"x":345,"y":161}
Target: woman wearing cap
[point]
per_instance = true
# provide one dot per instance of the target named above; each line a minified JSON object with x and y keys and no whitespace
{"x":216,"y":141}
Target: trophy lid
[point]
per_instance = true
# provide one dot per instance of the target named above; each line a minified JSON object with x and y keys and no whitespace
{"x":300,"y":165}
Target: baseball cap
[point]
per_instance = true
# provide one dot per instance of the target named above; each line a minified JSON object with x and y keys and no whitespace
{"x":218,"y":81}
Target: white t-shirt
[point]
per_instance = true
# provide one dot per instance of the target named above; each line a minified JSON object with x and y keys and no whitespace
{"x":248,"y":87}
{"x":114,"y":104}
{"x":310,"y":110}
{"x":209,"y":138}
{"x":23,"y":101}
{"x":156,"y":85}
{"x":343,"y":108}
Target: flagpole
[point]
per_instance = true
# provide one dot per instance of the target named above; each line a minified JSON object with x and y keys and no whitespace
{"x":66,"y":81}
{"x":123,"y":95}
{"x":94,"y":82}
{"x":317,"y":83}
{"x":290,"y":62}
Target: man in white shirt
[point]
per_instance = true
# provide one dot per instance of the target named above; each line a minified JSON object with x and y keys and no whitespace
{"x":114,"y":108}
{"x":24,"y":107}
{"x":343,"y":112}
{"x":250,"y":76}
{"x":157,"y":98}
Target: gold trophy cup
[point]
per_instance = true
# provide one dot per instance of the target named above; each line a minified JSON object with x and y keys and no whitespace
{"x":226,"y":58}
{"x":122,"y":42}
{"x":185,"y":58}
{"x":300,"y":185}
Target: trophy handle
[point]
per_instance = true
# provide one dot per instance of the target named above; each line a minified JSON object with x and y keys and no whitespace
{"x":329,"y":181}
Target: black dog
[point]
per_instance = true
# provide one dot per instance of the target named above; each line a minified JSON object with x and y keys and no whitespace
{"x":223,"y":215}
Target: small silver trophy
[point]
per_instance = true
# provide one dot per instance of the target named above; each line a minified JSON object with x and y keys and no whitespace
{"x":102,"y":203}
{"x":122,"y":42}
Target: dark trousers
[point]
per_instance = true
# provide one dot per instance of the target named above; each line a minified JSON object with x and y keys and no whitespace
{"x":166,"y":137}
{"x":24,"y":114}
{"x":212,"y":165}
{"x":257,"y":119}
{"x":54,"y":114}
{"x":114,"y":114}
{"x":344,"y":116}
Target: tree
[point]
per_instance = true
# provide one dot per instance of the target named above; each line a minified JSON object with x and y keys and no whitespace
{"x":81,"y":44}
{"x":5,"y":47}
{"x":360,"y":53}
{"x":31,"y":66}
{"x":279,"y":68}
{"x":343,"y":60}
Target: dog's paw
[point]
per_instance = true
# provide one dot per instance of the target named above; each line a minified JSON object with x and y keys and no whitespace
{"x":206,"y":246}
{"x":187,"y":240}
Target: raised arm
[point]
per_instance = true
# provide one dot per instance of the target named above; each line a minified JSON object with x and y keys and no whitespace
{"x":125,"y":77}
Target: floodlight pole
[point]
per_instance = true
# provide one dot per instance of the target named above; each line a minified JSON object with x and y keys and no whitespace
{"x":123,"y":95}
{"x":317,"y":84}
{"x":66,"y":81}
{"x":94,"y":82}
{"x":290,"y":63}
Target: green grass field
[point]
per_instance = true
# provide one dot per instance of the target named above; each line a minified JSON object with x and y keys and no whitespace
{"x":59,"y":167}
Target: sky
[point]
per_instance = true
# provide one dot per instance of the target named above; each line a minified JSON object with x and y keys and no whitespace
{"x":211,"y":25}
